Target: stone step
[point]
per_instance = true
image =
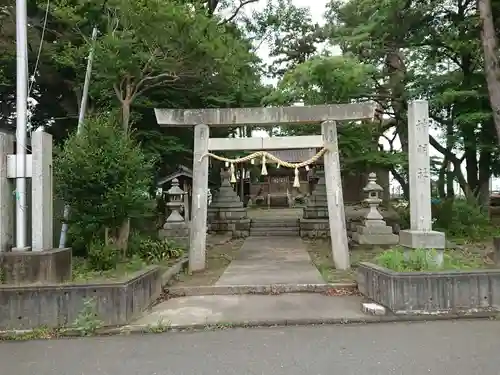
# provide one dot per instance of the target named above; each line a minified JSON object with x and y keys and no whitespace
{"x":273,"y":233}
{"x":274,"y":227}
{"x":274,"y":223}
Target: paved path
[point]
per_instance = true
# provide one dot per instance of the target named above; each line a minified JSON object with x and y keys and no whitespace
{"x":238,"y":309}
{"x":271,"y":260}
{"x":458,"y":348}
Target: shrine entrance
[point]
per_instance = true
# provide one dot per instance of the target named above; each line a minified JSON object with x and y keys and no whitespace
{"x":327,"y":115}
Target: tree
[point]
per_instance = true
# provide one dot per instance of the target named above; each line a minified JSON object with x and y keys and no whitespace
{"x":491,"y":65}
{"x":112,"y":183}
{"x":336,"y":80}
{"x":426,"y":49}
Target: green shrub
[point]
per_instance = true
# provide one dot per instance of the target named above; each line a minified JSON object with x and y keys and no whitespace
{"x":105,"y":178}
{"x":153,"y":250}
{"x":102,"y":257}
{"x":460,"y":218}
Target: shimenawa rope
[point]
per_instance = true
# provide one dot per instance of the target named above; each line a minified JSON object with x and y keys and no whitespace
{"x":264,"y":155}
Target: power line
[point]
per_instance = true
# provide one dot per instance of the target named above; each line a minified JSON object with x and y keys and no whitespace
{"x":44,"y":27}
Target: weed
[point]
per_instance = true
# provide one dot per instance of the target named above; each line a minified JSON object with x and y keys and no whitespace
{"x":87,"y":322}
{"x":160,"y":327}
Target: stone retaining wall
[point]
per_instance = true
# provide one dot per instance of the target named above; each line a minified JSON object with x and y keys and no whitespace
{"x":430,"y":292}
{"x":58,"y":305}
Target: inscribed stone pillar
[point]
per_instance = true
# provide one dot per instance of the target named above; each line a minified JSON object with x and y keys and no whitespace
{"x":198,"y":232}
{"x":42,"y":198}
{"x":336,"y":215}
{"x":6,"y":197}
{"x":420,"y":235}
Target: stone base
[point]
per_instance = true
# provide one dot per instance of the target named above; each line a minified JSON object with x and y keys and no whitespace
{"x":374,"y":235}
{"x":30,"y":267}
{"x":315,"y":212}
{"x":226,"y":213}
{"x":422,"y":240}
{"x":237,"y":228}
{"x":375,"y":239}
{"x":177,"y":232}
{"x":314,"y":228}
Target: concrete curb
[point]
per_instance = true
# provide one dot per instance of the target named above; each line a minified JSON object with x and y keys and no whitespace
{"x":173,"y":270}
{"x":225,"y":290}
{"x":182,"y":263}
{"x":305,"y":322}
{"x":144,"y":329}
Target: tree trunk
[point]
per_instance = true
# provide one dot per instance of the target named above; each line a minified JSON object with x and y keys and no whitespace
{"x":122,"y":237}
{"x":442,"y":180}
{"x":125,"y":115}
{"x":491,"y":67}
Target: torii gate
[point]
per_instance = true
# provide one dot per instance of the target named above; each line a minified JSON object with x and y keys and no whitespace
{"x":203,"y":119}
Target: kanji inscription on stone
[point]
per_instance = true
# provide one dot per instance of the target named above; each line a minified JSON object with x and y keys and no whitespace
{"x":423,"y":148}
{"x":422,"y":124}
{"x":203,"y":134}
{"x":423,"y":173}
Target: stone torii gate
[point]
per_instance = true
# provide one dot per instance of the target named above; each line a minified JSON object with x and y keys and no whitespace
{"x":203,"y":119}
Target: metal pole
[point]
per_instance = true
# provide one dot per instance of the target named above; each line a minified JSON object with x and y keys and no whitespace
{"x":21,"y":122}
{"x":81,"y":119}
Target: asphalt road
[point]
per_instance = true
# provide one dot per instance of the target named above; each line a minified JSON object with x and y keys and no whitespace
{"x":458,"y":348}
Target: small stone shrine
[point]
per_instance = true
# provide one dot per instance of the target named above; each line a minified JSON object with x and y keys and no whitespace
{"x":175,"y":228}
{"x":315,"y":220}
{"x":374,"y":230}
{"x":227,"y":213}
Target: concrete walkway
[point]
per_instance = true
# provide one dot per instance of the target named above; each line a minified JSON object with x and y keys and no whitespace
{"x":257,"y":309}
{"x":271,"y":260}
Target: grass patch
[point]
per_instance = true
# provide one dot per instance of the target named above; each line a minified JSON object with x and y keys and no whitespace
{"x":218,"y":258}
{"x":320,"y":252}
{"x":83,"y":273}
{"x":398,"y":260}
{"x":473,"y":255}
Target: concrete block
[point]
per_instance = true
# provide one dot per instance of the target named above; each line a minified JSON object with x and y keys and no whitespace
{"x":372,"y":308}
{"x":454,"y":291}
{"x":58,"y":305}
{"x":30,"y":267}
{"x":422,"y":240}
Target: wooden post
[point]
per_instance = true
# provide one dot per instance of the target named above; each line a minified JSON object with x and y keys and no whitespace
{"x":199,"y":206}
{"x":336,"y":215}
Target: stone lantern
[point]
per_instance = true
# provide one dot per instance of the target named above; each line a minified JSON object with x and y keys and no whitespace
{"x":374,"y":230}
{"x":373,"y":191}
{"x":175,"y":228}
{"x":175,"y":201}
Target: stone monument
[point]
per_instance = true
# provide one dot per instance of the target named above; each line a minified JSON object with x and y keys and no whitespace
{"x":175,"y":228}
{"x":374,"y":230}
{"x":420,"y":235}
{"x":314,"y":222}
{"x":227,"y":214}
